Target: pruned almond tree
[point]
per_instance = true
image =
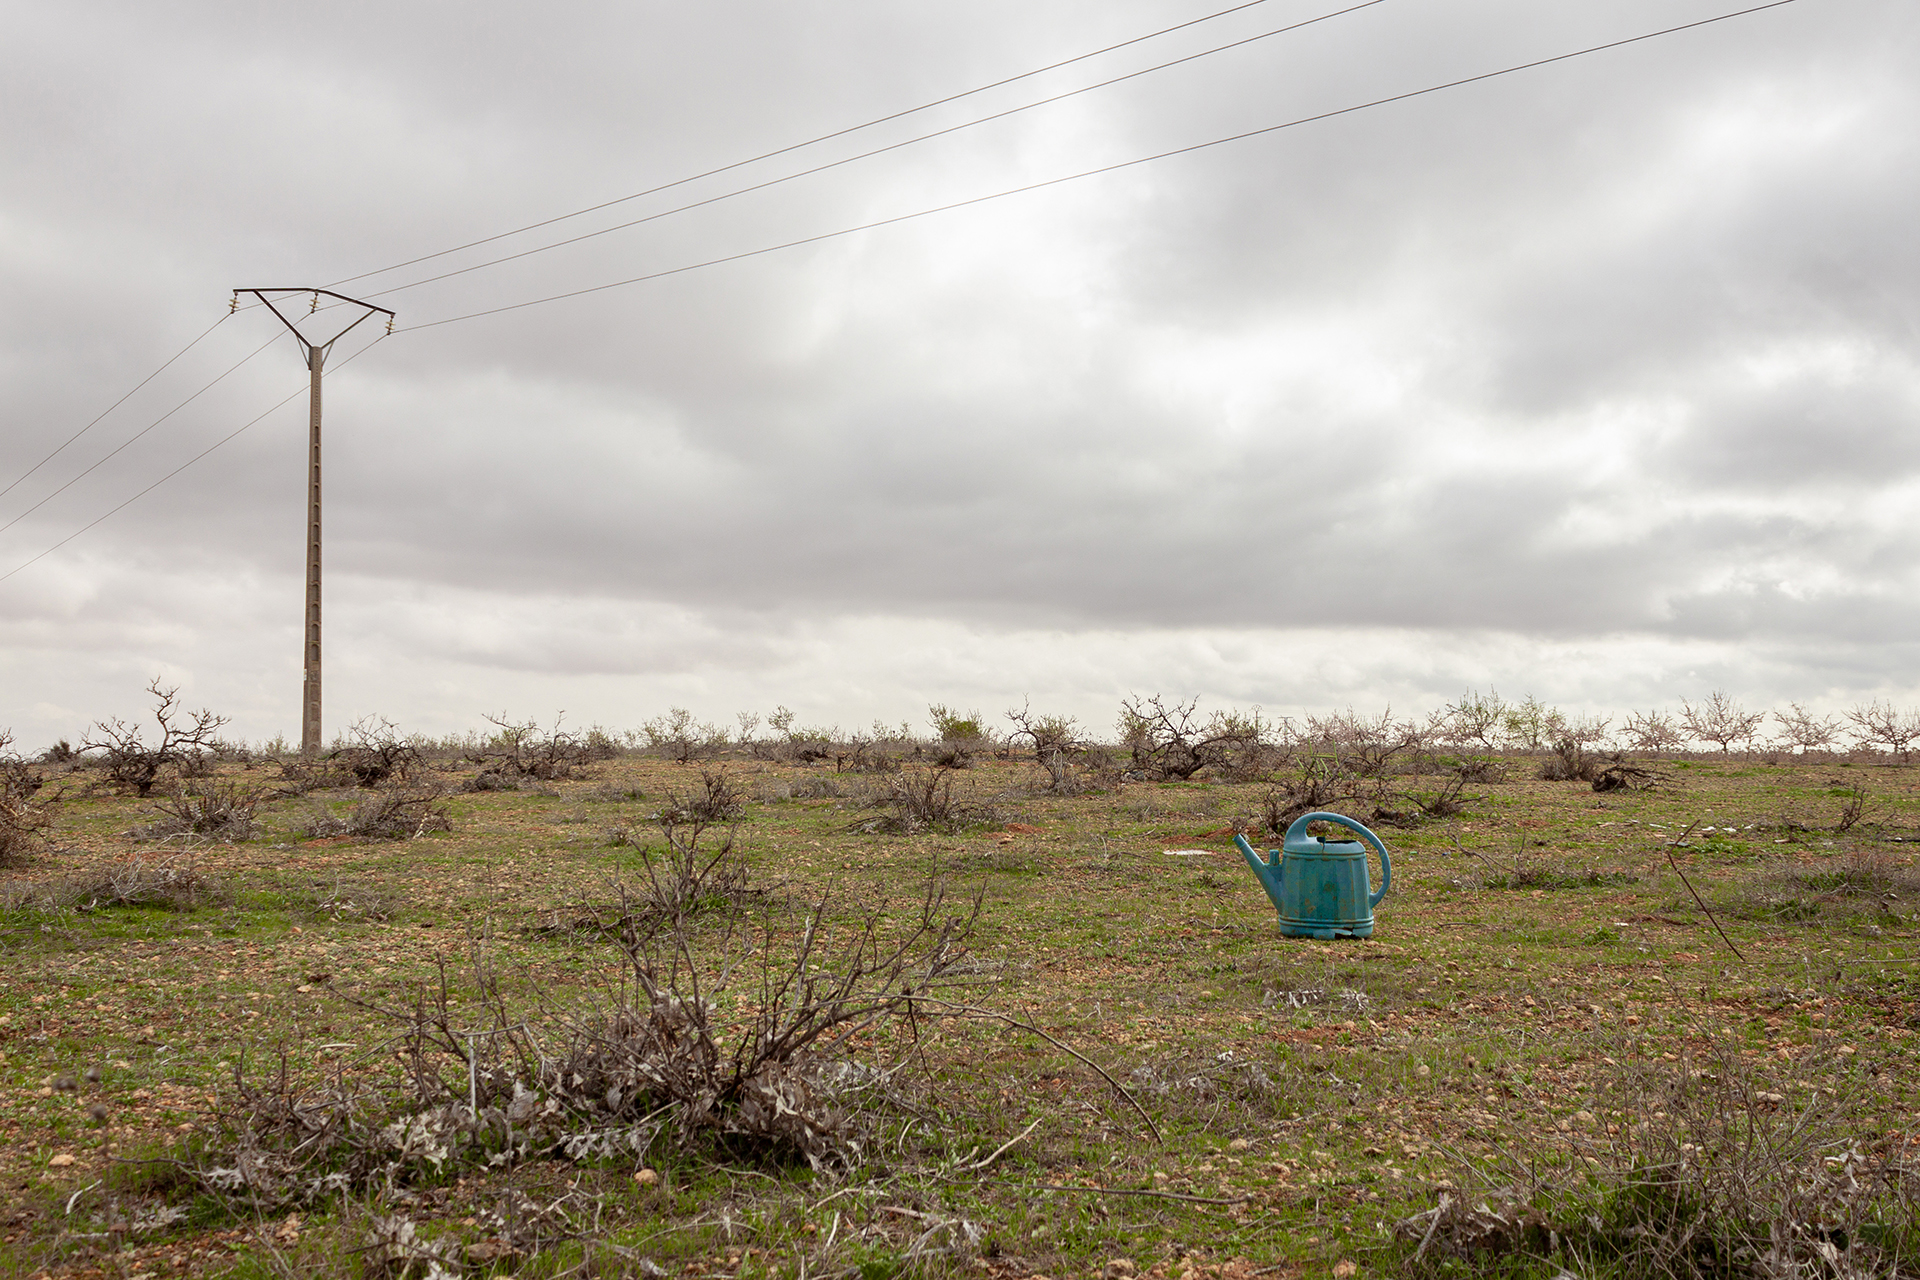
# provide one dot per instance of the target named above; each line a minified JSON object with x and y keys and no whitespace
{"x":1720,"y":720}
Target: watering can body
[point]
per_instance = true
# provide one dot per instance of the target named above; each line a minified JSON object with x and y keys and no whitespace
{"x":1321,"y":887}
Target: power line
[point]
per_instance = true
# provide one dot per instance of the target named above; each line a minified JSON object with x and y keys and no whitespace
{"x":846,"y":231}
{"x":894,"y":146}
{"x":798,"y":146}
{"x":1103,"y":169}
{"x":110,"y":408}
{"x":231,"y":435}
{"x":136,"y":435}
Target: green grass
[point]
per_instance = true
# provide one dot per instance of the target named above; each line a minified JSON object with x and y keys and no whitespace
{"x":1320,"y":1092}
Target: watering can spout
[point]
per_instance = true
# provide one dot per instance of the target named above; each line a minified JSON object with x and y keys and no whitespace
{"x":1273,"y":874}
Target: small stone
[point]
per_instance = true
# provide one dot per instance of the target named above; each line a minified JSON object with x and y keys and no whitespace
{"x":61,"y":1161}
{"x":65,"y":1083}
{"x":92,"y":1075}
{"x":97,"y":1112}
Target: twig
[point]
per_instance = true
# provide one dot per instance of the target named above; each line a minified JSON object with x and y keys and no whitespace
{"x":977,"y":1011}
{"x":75,"y":1197}
{"x":1672,"y":862}
{"x":862,"y":1191}
{"x":978,"y":1165}
{"x":1142,"y":1191}
{"x":1438,"y":1211}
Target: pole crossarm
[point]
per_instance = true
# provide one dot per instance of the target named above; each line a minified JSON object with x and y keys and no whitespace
{"x":316,"y":295}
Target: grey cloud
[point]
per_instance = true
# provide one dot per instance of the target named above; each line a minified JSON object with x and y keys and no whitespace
{"x":1580,"y":354}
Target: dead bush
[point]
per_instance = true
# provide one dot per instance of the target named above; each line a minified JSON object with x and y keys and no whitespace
{"x":613,"y":793}
{"x":1622,"y":776}
{"x":376,"y":754}
{"x":1489,"y":769}
{"x":1859,"y":882}
{"x":300,"y":776}
{"x":860,"y":754}
{"x":1317,"y":781}
{"x":922,"y":799}
{"x":520,"y":750}
{"x":1047,"y":735}
{"x":1852,"y":811}
{"x":1169,"y":740}
{"x":396,"y":815}
{"x":738,"y":1041}
{"x":1701,"y":1168}
{"x":221,"y":810}
{"x":1071,"y":773}
{"x":1568,"y":761}
{"x":1198,"y":1087}
{"x":1517,"y":871}
{"x":740,"y":1051}
{"x":171,"y":884}
{"x":23,"y":817}
{"x":679,"y":737}
{"x":695,"y":872}
{"x":1715,"y":1172}
{"x":345,"y":900}
{"x":717,"y":799}
{"x":186,"y":739}
{"x":1449,"y":801}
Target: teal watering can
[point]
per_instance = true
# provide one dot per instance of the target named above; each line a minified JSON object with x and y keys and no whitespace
{"x":1321,"y":886}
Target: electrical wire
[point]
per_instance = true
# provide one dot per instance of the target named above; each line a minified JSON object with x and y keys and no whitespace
{"x":960,"y":204}
{"x":799,"y":146}
{"x":115,"y":405}
{"x":1103,"y":169}
{"x":98,"y":462}
{"x":230,"y":436}
{"x":893,"y":146}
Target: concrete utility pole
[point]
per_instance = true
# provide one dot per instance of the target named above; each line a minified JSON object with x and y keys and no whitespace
{"x":316,"y":354}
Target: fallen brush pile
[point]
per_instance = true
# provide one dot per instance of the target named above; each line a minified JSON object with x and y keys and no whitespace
{"x":1705,"y":1174}
{"x":736,"y":1038}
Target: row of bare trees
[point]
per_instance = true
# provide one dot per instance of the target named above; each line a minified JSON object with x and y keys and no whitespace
{"x":1155,"y":737}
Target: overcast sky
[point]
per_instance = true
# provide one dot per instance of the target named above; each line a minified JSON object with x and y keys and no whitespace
{"x":1597,"y":381}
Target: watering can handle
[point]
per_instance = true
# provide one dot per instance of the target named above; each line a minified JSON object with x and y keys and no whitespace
{"x":1386,"y":863}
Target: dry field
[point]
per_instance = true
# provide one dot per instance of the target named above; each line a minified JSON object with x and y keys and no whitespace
{"x":1645,"y":1032}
